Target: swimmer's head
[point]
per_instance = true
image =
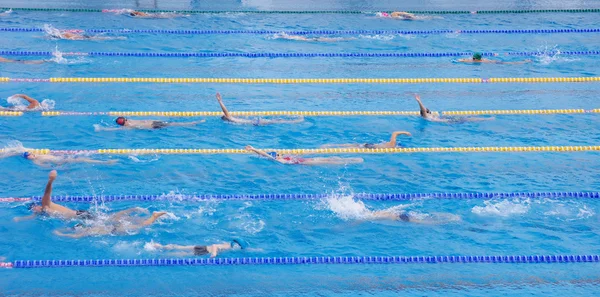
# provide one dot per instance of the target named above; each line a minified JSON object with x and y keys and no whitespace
{"x":28,"y":155}
{"x":273,"y":154}
{"x":121,"y":121}
{"x":477,"y":56}
{"x":34,"y":207}
{"x":132,"y":13}
{"x":425,"y":113}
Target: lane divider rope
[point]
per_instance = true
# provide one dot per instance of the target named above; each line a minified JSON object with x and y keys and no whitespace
{"x":510,"y":259}
{"x":315,"y":113}
{"x":361,"y":196}
{"x":317,"y":32}
{"x":570,"y":10}
{"x":397,"y":150}
{"x":292,"y":55}
{"x":304,"y":80}
{"x":10,"y":113}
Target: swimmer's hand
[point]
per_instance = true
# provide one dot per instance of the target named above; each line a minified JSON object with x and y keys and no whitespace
{"x":219,"y":97}
{"x":52,"y":176}
{"x":249,"y":148}
{"x":418,"y":98}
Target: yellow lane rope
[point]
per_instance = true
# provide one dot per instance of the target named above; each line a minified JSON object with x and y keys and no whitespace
{"x":326,"y":150}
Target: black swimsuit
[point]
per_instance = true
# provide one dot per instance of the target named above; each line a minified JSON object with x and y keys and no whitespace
{"x":200,"y":250}
{"x":84,"y":215}
{"x":404,"y":217}
{"x":159,"y":124}
{"x":369,"y":146}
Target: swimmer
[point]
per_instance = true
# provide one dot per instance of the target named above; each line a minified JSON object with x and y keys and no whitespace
{"x":199,"y":250}
{"x":5,"y":60}
{"x":296,"y":160}
{"x":55,"y":210}
{"x":147,"y":124}
{"x":48,"y":159}
{"x":477,"y":59}
{"x":74,"y":34}
{"x":394,"y":214}
{"x":434,"y":117}
{"x":258,"y":122}
{"x":123,"y":226}
{"x":162,"y":15}
{"x":391,"y":144}
{"x":399,"y":15}
{"x":304,"y":38}
{"x":33,"y":104}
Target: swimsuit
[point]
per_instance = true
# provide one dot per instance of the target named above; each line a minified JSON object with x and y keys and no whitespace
{"x":200,"y":250}
{"x":369,"y":145}
{"x":84,"y":215}
{"x":294,"y":159}
{"x":404,"y":217}
{"x":159,"y":124}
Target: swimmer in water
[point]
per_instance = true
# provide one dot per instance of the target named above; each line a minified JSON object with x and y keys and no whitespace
{"x":296,"y":160}
{"x":199,"y":250}
{"x":434,"y":117}
{"x":477,"y":59}
{"x":257,"y":122}
{"x":391,"y":144}
{"x":393,"y":214}
{"x":147,"y":124}
{"x":49,"y":159}
{"x":304,"y":38}
{"x":55,"y":210}
{"x":122,"y":224}
{"x":399,"y":15}
{"x":5,"y":60}
{"x":162,"y":15}
{"x":33,"y":104}
{"x":75,"y":34}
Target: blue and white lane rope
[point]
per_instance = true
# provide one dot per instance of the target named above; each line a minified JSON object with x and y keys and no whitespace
{"x":517,"y":259}
{"x":362,"y":196}
{"x":317,"y":32}
{"x":294,"y":55}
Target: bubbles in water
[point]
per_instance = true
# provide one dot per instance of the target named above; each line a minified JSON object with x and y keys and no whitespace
{"x":503,"y":208}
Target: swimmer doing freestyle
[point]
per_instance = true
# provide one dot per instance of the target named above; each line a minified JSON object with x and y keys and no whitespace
{"x":33,"y":104}
{"x":434,"y":117}
{"x":391,"y":144}
{"x":478,"y":59}
{"x":50,"y":159}
{"x":5,"y":60}
{"x":199,"y":250}
{"x":297,"y":160}
{"x":256,"y":122}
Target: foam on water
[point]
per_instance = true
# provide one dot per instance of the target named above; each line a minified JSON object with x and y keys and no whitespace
{"x":552,"y":55}
{"x":502,"y":208}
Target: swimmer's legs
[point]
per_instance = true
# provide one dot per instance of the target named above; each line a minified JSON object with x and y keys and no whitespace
{"x":333,"y":161}
{"x":119,"y":215}
{"x":351,"y":145}
{"x":90,"y":161}
{"x":186,"y":123}
{"x":385,"y":215}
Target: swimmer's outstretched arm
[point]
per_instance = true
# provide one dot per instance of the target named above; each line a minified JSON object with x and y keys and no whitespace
{"x":70,"y":235}
{"x":261,"y":153}
{"x":225,"y":111}
{"x":32,"y":102}
{"x":392,"y":142}
{"x":25,"y":218}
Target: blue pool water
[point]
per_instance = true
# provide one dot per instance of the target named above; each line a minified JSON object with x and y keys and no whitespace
{"x":338,"y":225}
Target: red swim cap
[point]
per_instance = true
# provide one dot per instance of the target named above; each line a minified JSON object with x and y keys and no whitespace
{"x":121,"y":121}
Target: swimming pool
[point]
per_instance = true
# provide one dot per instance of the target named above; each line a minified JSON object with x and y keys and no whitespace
{"x":333,"y":226}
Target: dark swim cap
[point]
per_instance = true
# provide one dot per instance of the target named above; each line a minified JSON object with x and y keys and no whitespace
{"x":477,"y":56}
{"x":121,"y":121}
{"x":26,"y":155}
{"x":273,"y":154}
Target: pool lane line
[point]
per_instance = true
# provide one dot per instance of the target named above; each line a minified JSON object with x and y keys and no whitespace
{"x":296,"y":196}
{"x":507,"y":11}
{"x":294,"y":55}
{"x":305,"y":80}
{"x":314,"y":32}
{"x":313,"y":113}
{"x":397,"y":150}
{"x":310,"y":260}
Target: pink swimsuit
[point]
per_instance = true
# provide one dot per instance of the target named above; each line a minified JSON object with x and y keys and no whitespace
{"x":293,"y":159}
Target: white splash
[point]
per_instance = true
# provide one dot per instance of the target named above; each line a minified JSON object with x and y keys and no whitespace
{"x":503,"y":208}
{"x":549,"y":55}
{"x":386,"y":37}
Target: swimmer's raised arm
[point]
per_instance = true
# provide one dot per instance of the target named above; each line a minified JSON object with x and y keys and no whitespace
{"x":392,"y":142}
{"x":47,"y":199}
{"x":225,"y":111}
{"x":32,"y":102}
{"x":422,"y":107}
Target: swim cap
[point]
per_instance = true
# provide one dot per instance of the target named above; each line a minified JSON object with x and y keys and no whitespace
{"x":121,"y":121}
{"x":272,"y":154}
{"x":26,"y":155}
{"x":31,"y":205}
{"x":477,"y":56}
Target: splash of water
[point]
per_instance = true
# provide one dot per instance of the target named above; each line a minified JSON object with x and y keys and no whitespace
{"x":19,"y":104}
{"x":503,"y":208}
{"x":548,"y":55}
